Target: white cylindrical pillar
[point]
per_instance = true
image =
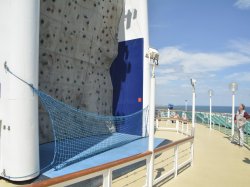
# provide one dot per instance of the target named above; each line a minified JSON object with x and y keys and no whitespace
{"x":152,"y":115}
{"x":168,"y":113}
{"x":142,"y":22}
{"x":233,"y":114}
{"x":4,"y":53}
{"x":21,"y":143}
{"x":210,"y":112}
{"x":193,"y":110}
{"x":150,"y":160}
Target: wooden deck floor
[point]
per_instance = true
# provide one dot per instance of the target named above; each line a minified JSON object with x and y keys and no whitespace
{"x":217,"y":163}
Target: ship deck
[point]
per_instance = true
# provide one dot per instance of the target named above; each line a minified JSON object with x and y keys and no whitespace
{"x":217,"y":162}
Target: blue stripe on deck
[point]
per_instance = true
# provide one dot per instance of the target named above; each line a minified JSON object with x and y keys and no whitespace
{"x":130,"y":149}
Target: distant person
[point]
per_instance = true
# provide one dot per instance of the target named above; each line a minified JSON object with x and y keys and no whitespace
{"x":176,"y":116}
{"x":184,"y":116}
{"x":240,"y":121}
{"x":172,"y":114}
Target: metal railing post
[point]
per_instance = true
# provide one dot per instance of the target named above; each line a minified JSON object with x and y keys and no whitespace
{"x":150,"y":168}
{"x":182,"y":123}
{"x":177,"y":125}
{"x":176,"y":161}
{"x":107,"y":178}
{"x":192,"y":152}
{"x":157,"y":123}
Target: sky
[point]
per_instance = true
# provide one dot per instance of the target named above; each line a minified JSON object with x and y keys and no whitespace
{"x":208,"y":40}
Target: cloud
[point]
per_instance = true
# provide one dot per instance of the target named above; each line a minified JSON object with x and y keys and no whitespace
{"x":170,"y":55}
{"x":240,"y":77}
{"x":242,"y":46}
{"x":167,"y":70}
{"x":201,"y":62}
{"x":242,"y":4}
{"x":177,"y":66}
{"x":166,"y":78}
{"x":185,"y":86}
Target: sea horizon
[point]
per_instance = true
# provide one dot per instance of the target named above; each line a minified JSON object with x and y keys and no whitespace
{"x":204,"y":108}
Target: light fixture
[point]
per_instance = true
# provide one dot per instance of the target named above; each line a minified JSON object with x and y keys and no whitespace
{"x":233,"y":86}
{"x":210,"y":93}
{"x":193,"y":83}
{"x":153,"y":55}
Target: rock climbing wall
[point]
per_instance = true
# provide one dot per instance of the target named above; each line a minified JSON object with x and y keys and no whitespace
{"x":78,"y":43}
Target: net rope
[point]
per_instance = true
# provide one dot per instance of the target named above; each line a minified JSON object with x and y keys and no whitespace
{"x":79,"y":134}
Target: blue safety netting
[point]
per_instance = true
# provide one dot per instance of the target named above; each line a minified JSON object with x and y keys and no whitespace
{"x":80,"y":134}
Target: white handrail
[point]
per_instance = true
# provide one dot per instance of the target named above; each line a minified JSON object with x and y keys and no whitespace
{"x":106,"y":170}
{"x":181,"y":126}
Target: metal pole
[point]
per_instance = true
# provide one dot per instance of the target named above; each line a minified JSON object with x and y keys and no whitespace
{"x":193,"y":110}
{"x":210,"y":120}
{"x":192,"y":153}
{"x":107,"y":178}
{"x":186,"y":105}
{"x":233,"y":114}
{"x":152,"y":114}
{"x":150,"y":160}
{"x":176,"y":161}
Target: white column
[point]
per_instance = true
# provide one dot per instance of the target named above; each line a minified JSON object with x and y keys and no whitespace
{"x":21,"y":143}
{"x":4,"y":54}
{"x":233,"y":114}
{"x":168,"y":113}
{"x":210,"y":112}
{"x":142,"y":23}
{"x":193,"y":110}
{"x":150,"y":160}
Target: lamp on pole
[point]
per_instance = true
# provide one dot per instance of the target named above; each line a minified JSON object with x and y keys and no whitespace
{"x":186,"y":105}
{"x":233,"y":88}
{"x":210,"y":93}
{"x":193,"y":83}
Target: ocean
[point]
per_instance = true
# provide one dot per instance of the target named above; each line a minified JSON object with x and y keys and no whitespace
{"x":218,"y":109}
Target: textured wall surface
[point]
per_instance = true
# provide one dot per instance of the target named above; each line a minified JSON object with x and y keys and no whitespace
{"x":78,"y":43}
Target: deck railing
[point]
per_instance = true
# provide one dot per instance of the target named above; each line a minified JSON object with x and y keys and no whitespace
{"x":177,"y":165}
{"x":221,"y":122}
{"x":106,"y":170}
{"x":180,"y":125}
